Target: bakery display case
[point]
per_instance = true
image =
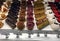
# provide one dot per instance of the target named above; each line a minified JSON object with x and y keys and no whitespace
{"x":24,"y":18}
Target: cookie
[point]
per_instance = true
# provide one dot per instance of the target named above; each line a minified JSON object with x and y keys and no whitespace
{"x":1,"y":24}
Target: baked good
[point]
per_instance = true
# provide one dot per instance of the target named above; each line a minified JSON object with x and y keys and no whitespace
{"x":30,"y":25}
{"x":3,"y":16}
{"x":13,"y":26}
{"x":41,"y":24}
{"x":20,"y":25}
{"x":1,"y":24}
{"x":30,"y":18}
{"x":42,"y":17}
{"x":39,"y":15}
{"x":36,"y":11}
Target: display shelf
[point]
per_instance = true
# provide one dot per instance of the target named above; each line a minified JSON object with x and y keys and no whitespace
{"x":17,"y":32}
{"x":4,"y":31}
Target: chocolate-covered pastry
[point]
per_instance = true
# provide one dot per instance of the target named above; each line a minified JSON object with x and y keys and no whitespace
{"x":12,"y":20}
{"x":23,"y":10}
{"x":12,"y":17}
{"x":23,"y":3}
{"x":22,"y":14}
{"x":22,"y":18}
{"x":10,"y":24}
{"x":13,"y":14}
{"x":20,"y":25}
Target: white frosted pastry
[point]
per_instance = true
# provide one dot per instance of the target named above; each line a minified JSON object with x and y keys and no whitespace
{"x":55,"y":27}
{"x":51,"y":21}
{"x":50,"y":15}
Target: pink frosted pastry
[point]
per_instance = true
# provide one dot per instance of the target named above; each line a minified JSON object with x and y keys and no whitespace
{"x":30,"y":25}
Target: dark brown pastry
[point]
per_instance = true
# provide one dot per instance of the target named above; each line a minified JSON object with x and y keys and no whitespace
{"x":12,"y":20}
{"x":23,"y":10}
{"x":22,"y":18}
{"x":12,"y":17}
{"x":23,"y":4}
{"x":13,"y":26}
{"x":20,"y":25}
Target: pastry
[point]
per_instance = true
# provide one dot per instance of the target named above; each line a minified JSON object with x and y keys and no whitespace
{"x":13,"y":14}
{"x":3,"y":16}
{"x":39,"y":15}
{"x":23,"y":3}
{"x":30,"y":18}
{"x":39,"y":11}
{"x":8,"y":3}
{"x":30,"y":25}
{"x":20,"y":25}
{"x":10,"y":24}
{"x":30,"y":10}
{"x":4,"y":9}
{"x":22,"y":18}
{"x":30,"y":14}
{"x":41,"y":24}
{"x":38,"y":4}
{"x":23,"y":10}
{"x":10,"y":19}
{"x":42,"y":17}
{"x":1,"y":24}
